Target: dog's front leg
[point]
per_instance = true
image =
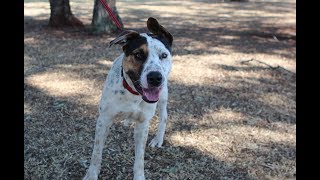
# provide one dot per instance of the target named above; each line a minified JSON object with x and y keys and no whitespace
{"x":158,"y":139}
{"x":102,"y":130}
{"x":140,"y":138}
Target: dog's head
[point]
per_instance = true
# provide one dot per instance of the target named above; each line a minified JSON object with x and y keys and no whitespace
{"x":148,"y":58}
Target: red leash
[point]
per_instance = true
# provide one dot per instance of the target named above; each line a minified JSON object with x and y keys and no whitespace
{"x":124,"y":82}
{"x":111,"y":14}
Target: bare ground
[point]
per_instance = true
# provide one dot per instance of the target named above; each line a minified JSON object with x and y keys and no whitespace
{"x":232,"y":101}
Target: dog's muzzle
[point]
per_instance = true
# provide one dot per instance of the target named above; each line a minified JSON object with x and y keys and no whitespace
{"x":154,"y":79}
{"x":151,"y":93}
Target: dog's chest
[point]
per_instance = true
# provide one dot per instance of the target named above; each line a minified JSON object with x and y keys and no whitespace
{"x":138,"y":116}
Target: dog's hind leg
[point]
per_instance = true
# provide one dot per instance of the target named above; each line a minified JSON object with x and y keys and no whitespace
{"x":102,"y":130}
{"x":158,"y":139}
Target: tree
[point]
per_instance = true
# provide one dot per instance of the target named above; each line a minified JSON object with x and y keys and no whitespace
{"x":101,"y":21}
{"x":61,"y":14}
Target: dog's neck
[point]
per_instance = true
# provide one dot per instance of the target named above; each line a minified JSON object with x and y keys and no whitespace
{"x":126,"y":85}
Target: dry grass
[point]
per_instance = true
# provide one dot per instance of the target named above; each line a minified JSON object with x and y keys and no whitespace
{"x":228,"y":119}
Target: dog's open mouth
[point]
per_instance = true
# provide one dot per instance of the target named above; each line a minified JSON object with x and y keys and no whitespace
{"x":149,"y":95}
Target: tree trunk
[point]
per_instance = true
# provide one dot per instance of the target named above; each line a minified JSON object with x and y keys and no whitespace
{"x":101,"y":21}
{"x":61,"y":14}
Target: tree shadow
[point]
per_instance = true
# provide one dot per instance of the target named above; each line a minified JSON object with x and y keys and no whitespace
{"x":170,"y":162}
{"x":265,"y":7}
{"x":32,"y":24}
{"x":247,"y":35}
{"x":62,"y":143}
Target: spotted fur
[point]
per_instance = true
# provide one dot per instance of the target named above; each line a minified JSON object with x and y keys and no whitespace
{"x":142,"y":53}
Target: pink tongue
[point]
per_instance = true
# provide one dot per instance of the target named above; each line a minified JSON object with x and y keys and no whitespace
{"x":152,"y":94}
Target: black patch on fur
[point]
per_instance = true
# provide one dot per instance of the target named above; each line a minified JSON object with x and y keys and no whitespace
{"x":133,"y":76}
{"x":134,"y":46}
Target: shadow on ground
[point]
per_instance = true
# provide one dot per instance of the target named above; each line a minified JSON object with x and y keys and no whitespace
{"x":59,"y":130}
{"x":66,"y":124}
{"x":59,"y":122}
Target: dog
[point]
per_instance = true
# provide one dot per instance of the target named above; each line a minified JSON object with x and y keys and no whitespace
{"x":136,"y":84}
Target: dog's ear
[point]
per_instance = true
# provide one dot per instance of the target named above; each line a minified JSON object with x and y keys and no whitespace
{"x":123,"y":37}
{"x":157,"y":29}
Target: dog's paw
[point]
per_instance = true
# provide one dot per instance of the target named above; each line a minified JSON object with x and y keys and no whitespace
{"x":90,"y":177}
{"x":139,"y":177}
{"x":156,"y":142}
{"x":91,"y":174}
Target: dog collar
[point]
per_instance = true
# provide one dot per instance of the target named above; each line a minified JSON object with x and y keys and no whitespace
{"x":126,"y":85}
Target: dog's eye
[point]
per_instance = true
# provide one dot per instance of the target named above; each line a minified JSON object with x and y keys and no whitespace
{"x":163,"y":56}
{"x":138,"y":55}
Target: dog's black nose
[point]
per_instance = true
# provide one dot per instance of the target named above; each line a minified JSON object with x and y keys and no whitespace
{"x":154,"y":78}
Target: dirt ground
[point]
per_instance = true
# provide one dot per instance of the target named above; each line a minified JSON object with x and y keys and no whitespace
{"x":232,"y":103}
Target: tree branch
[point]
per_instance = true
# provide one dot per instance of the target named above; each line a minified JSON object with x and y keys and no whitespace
{"x":271,"y":67}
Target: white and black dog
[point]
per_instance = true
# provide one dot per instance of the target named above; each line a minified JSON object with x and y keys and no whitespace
{"x":136,"y":83}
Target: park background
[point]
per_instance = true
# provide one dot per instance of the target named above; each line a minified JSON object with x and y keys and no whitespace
{"x":232,"y":91}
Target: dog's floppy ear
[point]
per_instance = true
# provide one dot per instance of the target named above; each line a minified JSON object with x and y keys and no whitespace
{"x":157,"y":29}
{"x":123,"y":37}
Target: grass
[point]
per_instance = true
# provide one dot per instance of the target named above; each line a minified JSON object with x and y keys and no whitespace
{"x":231,"y":116}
